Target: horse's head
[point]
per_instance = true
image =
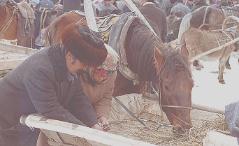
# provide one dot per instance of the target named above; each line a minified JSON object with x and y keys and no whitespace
{"x":173,"y":26}
{"x":175,"y":84}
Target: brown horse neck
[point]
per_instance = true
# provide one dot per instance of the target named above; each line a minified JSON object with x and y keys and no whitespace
{"x":160,"y":60}
{"x":3,"y":13}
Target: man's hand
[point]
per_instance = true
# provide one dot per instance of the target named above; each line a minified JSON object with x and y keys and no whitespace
{"x":104,"y":123}
{"x":98,"y":127}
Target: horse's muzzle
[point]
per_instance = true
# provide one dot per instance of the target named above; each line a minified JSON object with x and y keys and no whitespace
{"x":181,"y":130}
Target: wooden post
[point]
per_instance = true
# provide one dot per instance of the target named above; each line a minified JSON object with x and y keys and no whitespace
{"x":16,"y":49}
{"x":194,"y":106}
{"x":215,"y":49}
{"x":207,"y":109}
{"x":40,"y":122}
{"x":133,"y":8}
{"x":10,"y":64}
{"x":90,"y":16}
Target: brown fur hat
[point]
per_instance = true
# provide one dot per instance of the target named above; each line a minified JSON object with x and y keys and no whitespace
{"x":84,"y":44}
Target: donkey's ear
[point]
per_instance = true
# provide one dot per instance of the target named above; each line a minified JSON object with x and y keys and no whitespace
{"x":184,"y":51}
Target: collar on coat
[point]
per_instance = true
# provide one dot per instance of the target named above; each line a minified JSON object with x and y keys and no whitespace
{"x":57,"y":57}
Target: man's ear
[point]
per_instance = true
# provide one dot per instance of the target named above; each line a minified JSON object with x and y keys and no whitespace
{"x":69,"y":57}
{"x":72,"y":58}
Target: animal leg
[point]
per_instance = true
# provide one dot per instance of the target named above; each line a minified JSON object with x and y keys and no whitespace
{"x":228,"y":66}
{"x":222,"y":62}
{"x":197,"y":65}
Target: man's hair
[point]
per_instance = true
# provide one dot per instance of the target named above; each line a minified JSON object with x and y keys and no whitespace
{"x":84,"y":44}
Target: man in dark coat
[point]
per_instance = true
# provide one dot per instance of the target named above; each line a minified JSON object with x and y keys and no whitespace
{"x":47,"y":83}
{"x":69,"y":5}
{"x":156,"y":17}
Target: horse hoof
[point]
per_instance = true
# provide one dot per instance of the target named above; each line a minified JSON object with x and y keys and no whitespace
{"x":199,"y":67}
{"x":228,"y":67}
{"x":222,"y":81}
{"x":178,"y":131}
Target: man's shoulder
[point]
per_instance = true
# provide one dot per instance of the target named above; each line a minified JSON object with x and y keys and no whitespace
{"x":33,"y":66}
{"x":40,"y":58}
{"x":38,"y":62}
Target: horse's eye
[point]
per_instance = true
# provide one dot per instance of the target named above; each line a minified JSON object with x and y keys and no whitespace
{"x":166,"y":87}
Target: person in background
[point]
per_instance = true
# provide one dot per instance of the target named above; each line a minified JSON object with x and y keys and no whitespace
{"x":165,"y":5}
{"x":47,"y":83}
{"x":121,"y":5}
{"x":156,"y":17}
{"x":188,"y":3}
{"x":198,"y":3}
{"x":69,"y":5}
{"x":105,"y":7}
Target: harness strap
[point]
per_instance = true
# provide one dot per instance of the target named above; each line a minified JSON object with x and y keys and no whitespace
{"x":123,"y":64}
{"x":204,"y":18}
{"x":6,"y":26}
{"x":129,"y":112}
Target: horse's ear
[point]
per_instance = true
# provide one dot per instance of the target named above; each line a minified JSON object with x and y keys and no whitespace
{"x":184,"y":50}
{"x":158,"y":59}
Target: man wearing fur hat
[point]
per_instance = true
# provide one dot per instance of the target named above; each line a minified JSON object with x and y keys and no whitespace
{"x":98,"y":85}
{"x":47,"y":83}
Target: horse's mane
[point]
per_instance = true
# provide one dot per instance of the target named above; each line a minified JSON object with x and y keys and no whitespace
{"x":174,"y":62}
{"x":140,"y":44}
{"x":198,"y":16}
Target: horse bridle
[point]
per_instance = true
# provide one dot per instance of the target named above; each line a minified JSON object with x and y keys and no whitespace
{"x":4,"y":28}
{"x":158,"y":93}
{"x":205,"y":17}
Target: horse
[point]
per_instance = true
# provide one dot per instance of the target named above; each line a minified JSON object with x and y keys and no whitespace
{"x":231,"y":11}
{"x":204,"y":18}
{"x":198,"y":41}
{"x":17,"y":22}
{"x":15,"y":26}
{"x":8,"y":21}
{"x":153,"y":61}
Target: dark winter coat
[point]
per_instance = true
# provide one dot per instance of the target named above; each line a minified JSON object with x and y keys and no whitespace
{"x":42,"y":84}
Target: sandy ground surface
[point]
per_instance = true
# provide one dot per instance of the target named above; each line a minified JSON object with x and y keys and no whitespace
{"x":207,"y":92}
{"x":161,"y":133}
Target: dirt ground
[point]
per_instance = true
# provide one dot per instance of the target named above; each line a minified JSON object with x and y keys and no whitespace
{"x":161,"y":133}
{"x":218,"y":96}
